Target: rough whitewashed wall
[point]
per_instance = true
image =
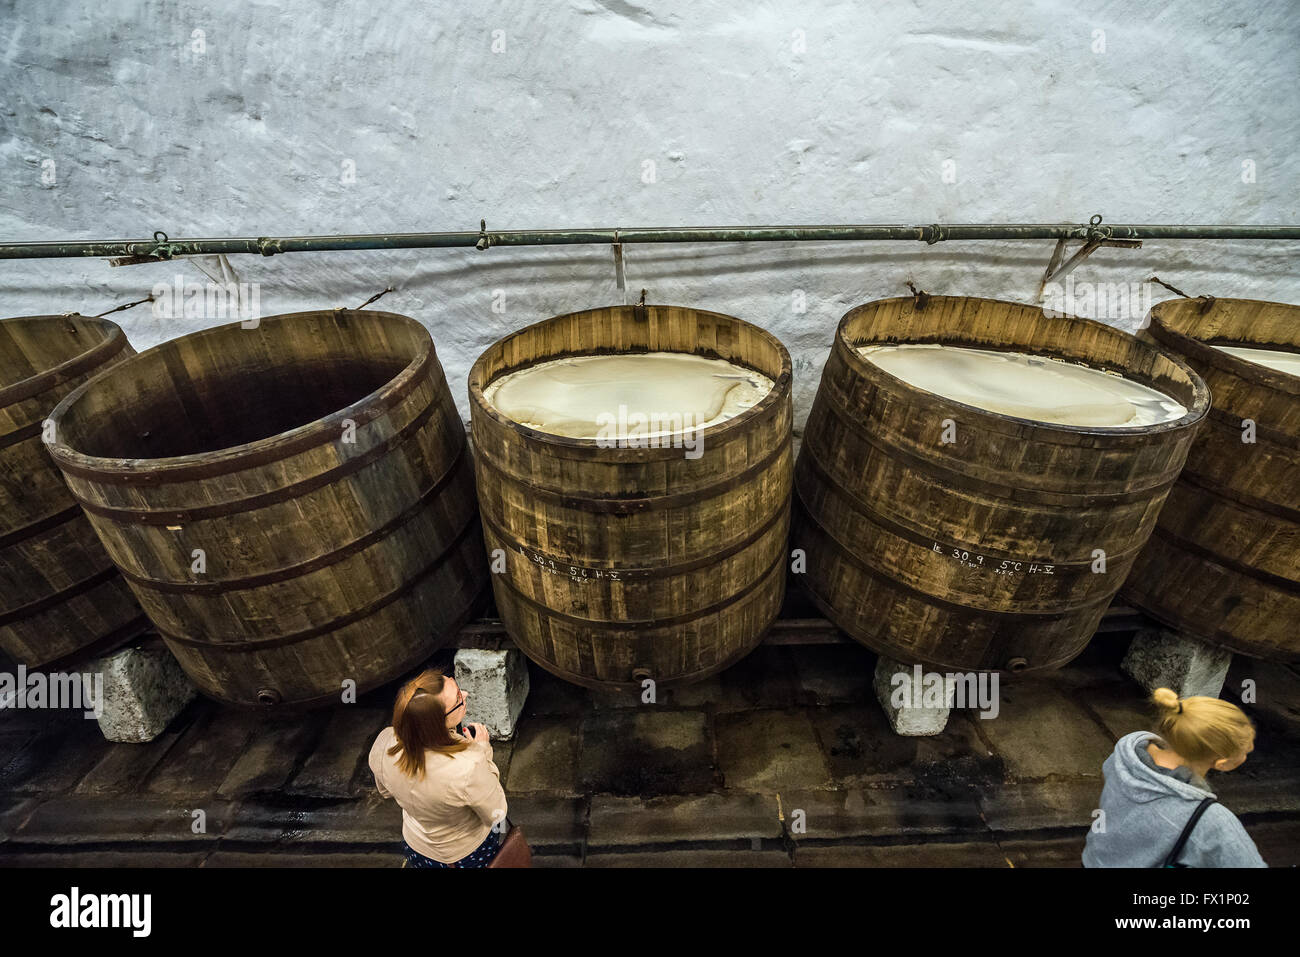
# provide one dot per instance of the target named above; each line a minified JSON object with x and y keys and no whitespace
{"x":118,"y":119}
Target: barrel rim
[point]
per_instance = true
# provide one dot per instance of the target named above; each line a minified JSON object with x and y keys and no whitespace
{"x":113,"y":343}
{"x":1203,"y":349}
{"x":272,"y":448}
{"x":1195,"y":412}
{"x":780,"y":391}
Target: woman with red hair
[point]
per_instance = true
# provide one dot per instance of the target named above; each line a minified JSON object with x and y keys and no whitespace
{"x":453,"y":805}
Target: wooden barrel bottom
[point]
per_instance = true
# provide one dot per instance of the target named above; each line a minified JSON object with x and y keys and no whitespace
{"x":949,"y":637}
{"x":401,"y":668}
{"x":49,"y":635}
{"x":604,"y":657}
{"x":392,"y":639}
{"x":1211,"y":592}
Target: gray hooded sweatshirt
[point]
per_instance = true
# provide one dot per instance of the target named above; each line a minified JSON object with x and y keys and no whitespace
{"x":1146,"y":808}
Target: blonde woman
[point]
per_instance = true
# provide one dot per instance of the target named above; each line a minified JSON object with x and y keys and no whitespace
{"x":1159,"y":810}
{"x":449,"y":789}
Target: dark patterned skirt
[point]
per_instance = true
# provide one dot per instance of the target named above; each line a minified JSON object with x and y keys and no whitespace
{"x":481,"y":856}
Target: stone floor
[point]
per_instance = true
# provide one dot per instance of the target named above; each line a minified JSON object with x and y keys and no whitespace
{"x":784,"y":760}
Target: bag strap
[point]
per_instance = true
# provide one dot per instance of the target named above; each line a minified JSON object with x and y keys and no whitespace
{"x":1201,"y":808}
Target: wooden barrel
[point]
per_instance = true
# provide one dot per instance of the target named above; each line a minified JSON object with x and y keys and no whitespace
{"x":60,"y":596}
{"x":629,"y":563}
{"x":292,"y":503}
{"x":977,"y":553}
{"x":1224,"y":562}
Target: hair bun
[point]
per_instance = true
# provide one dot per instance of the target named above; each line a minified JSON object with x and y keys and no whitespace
{"x":1165,"y":698}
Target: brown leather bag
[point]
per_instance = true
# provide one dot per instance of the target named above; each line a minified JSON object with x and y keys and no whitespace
{"x":515,"y":851}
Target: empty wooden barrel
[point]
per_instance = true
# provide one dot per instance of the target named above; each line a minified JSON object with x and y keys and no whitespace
{"x":626,"y":563}
{"x":292,"y":503}
{"x":1224,"y":562}
{"x":938,"y":532}
{"x":60,"y":596}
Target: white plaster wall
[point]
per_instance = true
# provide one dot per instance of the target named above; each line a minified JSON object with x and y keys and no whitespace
{"x":252,"y":136}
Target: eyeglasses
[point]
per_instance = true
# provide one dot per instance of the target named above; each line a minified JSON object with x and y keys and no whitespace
{"x":461,"y":693}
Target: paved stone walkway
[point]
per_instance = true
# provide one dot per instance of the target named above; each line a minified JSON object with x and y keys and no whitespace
{"x":784,"y":760}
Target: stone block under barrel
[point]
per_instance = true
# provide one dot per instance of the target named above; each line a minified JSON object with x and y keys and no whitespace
{"x":1224,"y":562}
{"x":986,"y":531}
{"x":292,"y":503}
{"x":629,"y":554}
{"x":60,"y":596}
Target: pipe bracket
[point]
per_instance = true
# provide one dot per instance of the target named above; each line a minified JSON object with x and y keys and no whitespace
{"x":1095,"y":236}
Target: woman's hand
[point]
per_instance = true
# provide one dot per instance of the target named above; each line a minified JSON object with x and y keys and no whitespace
{"x":479,"y":732}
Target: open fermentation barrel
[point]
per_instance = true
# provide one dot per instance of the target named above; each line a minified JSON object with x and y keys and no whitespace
{"x":1224,"y":561}
{"x":60,"y":596}
{"x":940,"y":532}
{"x":292,"y":503}
{"x":629,"y":555}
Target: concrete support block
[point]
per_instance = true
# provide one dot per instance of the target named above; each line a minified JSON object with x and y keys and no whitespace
{"x":497,"y":685}
{"x":144,"y":688}
{"x":1159,"y":658}
{"x":900,"y":693}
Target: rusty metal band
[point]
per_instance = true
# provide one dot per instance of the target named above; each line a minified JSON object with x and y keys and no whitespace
{"x":128,"y":516}
{"x":969,"y":483}
{"x":645,"y":624}
{"x":927,"y":598}
{"x":875,"y":641}
{"x":1238,"y":497}
{"x":421,"y":656}
{"x":608,"y":505}
{"x":922,"y":538}
{"x":265,"y":456}
{"x":1214,"y":558}
{"x":44,"y":525}
{"x":652,"y":571}
{"x":1172,"y":618}
{"x":307,"y":567}
{"x":118,"y":636}
{"x":21,"y":435}
{"x":93,"y":357}
{"x":59,"y":597}
{"x":279,"y":641}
